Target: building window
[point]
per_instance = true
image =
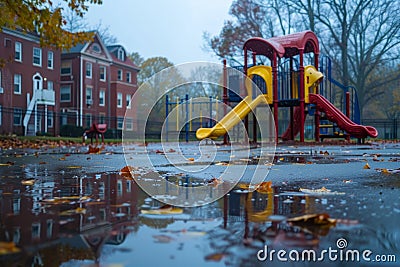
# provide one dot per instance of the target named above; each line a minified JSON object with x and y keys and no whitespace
{"x":119,"y":77}
{"x":119,"y":100}
{"x":128,"y":101}
{"x":129,"y":124}
{"x":17,"y":116}
{"x":7,"y":42}
{"x":102,"y":118}
{"x":119,"y":188}
{"x":88,"y":70}
{"x":66,"y":68}
{"x":17,"y":235}
{"x":35,"y":230}
{"x":1,"y":115}
{"x":1,"y":88}
{"x":65,"y":93}
{"x":89,"y":99}
{"x":103,"y":73}
{"x":102,"y":191}
{"x":50,"y":85}
{"x":120,"y":123}
{"x":49,"y":229}
{"x":50,"y":119}
{"x":18,"y":52}
{"x":121,"y":54}
{"x":16,"y":205}
{"x":17,"y":83}
{"x":50,"y":60}
{"x":128,"y":77}
{"x":64,"y":119}
{"x":102,"y":98}
{"x":37,"y":56}
{"x":128,"y":186}
{"x":88,"y":120}
{"x":96,"y":48}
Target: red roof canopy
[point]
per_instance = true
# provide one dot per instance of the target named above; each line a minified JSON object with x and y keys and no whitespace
{"x":284,"y":46}
{"x":293,"y":43}
{"x":261,"y":46}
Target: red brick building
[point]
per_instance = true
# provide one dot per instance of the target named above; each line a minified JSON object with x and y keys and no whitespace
{"x":29,"y":85}
{"x":90,"y":83}
{"x":97,"y":83}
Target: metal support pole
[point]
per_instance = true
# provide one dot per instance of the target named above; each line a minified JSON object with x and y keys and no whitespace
{"x":166,"y":116}
{"x":302,"y":104}
{"x":187,"y":118}
{"x":225,"y":96}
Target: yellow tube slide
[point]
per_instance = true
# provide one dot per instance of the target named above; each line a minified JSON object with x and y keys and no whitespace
{"x":232,"y":118}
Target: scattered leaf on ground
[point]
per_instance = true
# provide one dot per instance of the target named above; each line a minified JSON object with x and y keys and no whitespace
{"x":314,"y":223}
{"x":8,"y":247}
{"x":265,"y":187}
{"x":166,"y":209}
{"x":215,"y":181}
{"x":322,"y":191}
{"x":162,"y":238}
{"x":215,"y":257}
{"x":28,"y":182}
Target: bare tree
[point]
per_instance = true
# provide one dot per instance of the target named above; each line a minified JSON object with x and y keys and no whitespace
{"x":360,"y":36}
{"x":74,"y":22}
{"x":104,"y":31}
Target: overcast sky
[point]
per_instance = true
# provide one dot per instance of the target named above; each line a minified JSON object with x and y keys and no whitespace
{"x":171,"y":28}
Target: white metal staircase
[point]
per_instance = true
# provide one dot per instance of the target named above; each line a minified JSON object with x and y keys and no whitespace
{"x":39,"y":97}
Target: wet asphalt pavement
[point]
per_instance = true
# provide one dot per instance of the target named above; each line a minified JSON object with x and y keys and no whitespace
{"x":365,"y":202}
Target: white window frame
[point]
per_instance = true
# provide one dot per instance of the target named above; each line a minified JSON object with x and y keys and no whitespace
{"x":119,"y":100}
{"x":128,"y":101}
{"x":88,"y":70}
{"x":50,"y":60}
{"x":50,"y":119}
{"x":120,"y":74}
{"x":17,"y":84}
{"x":121,"y":54}
{"x":104,"y":74}
{"x":17,"y":111}
{"x":128,"y":77}
{"x":39,"y":57}
{"x":69,"y":93}
{"x":89,"y":95}
{"x":63,"y":67}
{"x":18,"y":49}
{"x":102,"y":95}
{"x":50,"y":85}
{"x":128,"y":124}
{"x":120,"y":123}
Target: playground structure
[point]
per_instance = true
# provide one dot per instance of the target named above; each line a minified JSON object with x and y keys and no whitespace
{"x":95,"y":131}
{"x":290,"y":84}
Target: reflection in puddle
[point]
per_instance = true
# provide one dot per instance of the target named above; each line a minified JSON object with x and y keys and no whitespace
{"x":105,"y":218}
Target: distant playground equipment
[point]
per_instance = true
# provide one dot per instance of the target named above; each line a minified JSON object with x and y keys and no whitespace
{"x":95,"y":131}
{"x":290,"y":84}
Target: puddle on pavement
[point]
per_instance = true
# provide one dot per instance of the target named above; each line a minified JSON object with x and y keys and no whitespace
{"x":79,"y":219}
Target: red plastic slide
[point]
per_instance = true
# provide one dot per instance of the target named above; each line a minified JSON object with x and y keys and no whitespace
{"x":335,"y":115}
{"x":296,"y":125}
